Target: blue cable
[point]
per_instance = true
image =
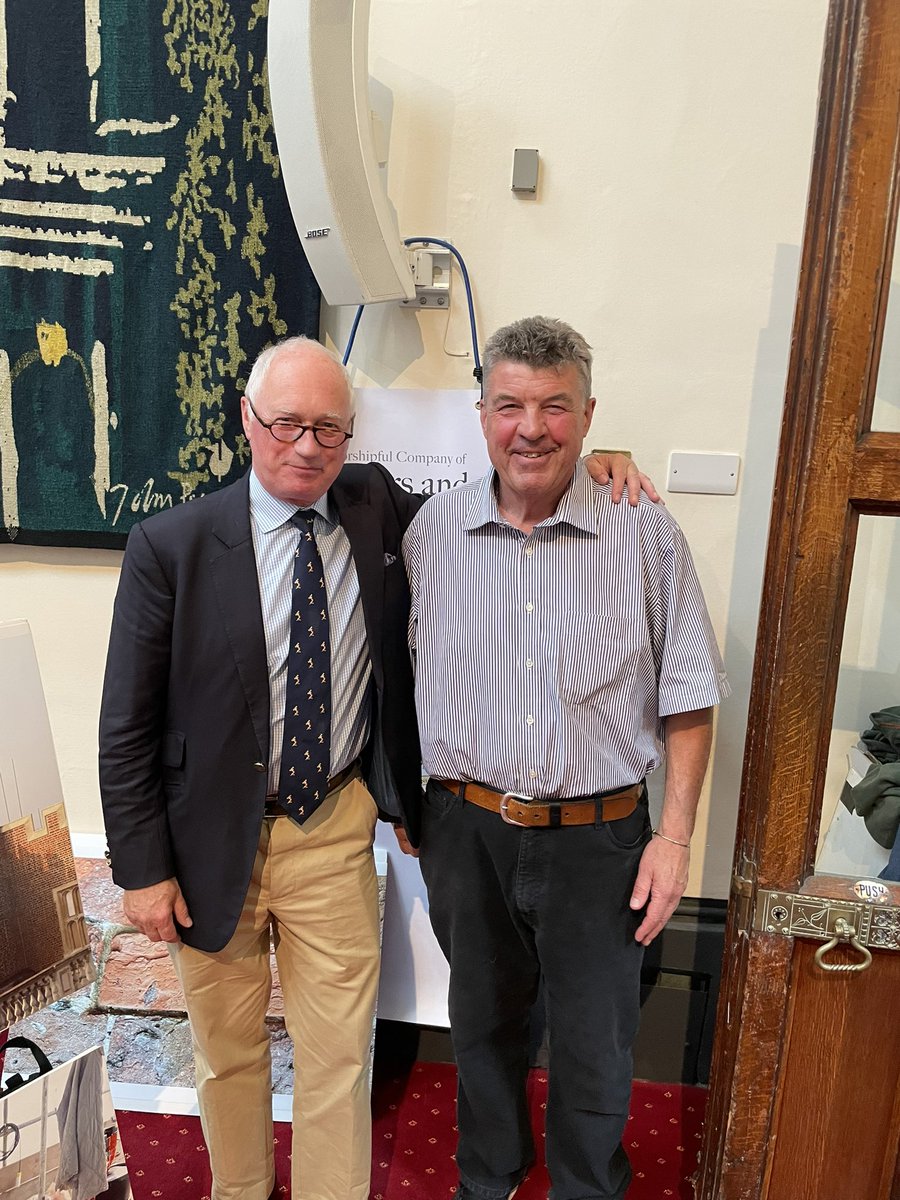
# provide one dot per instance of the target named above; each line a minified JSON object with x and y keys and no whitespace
{"x":428,"y":241}
{"x":353,"y":330}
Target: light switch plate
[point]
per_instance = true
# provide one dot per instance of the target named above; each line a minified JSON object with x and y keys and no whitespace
{"x":715,"y":474}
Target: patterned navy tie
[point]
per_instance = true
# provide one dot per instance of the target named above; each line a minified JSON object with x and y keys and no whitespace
{"x":306,"y":748}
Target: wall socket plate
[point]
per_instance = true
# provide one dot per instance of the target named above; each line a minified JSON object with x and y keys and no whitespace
{"x":712,"y":474}
{"x":525,"y":171}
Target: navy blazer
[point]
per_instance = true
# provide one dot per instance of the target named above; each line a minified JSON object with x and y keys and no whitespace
{"x":184,"y":721}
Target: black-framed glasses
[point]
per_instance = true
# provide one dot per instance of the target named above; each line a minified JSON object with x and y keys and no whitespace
{"x":284,"y":430}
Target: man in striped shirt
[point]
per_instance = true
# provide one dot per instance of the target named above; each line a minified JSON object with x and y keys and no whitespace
{"x":561,"y":642}
{"x":192,"y":742}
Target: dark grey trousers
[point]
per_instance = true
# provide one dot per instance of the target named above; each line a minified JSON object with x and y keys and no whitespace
{"x":510,"y":906}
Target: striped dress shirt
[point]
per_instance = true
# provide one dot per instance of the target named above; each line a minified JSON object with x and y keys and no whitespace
{"x":546,"y":662}
{"x":274,"y":543}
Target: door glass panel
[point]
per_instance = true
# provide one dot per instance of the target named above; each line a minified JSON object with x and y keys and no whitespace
{"x":868,"y":685}
{"x":886,"y":411}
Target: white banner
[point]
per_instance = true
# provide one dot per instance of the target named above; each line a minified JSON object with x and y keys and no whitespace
{"x":429,"y":441}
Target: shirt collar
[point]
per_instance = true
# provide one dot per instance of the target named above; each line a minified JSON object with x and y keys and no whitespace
{"x":575,"y":505}
{"x":269,"y":513}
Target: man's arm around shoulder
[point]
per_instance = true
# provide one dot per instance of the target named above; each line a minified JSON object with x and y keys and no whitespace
{"x":371,"y":481}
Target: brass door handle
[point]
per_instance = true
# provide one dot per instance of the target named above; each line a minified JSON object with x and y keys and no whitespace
{"x":843,"y":932}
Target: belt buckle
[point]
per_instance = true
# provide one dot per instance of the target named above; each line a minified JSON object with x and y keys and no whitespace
{"x":504,"y":803}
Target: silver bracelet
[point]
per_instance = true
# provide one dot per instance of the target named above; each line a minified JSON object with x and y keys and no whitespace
{"x":685,"y":845}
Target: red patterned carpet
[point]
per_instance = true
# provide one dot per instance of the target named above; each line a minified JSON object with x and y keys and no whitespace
{"x":414,"y":1139}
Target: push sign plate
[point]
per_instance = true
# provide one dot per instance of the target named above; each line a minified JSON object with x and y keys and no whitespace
{"x":871,"y":890}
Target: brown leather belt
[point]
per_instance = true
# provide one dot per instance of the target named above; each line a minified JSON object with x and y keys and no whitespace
{"x":272,"y":807}
{"x":516,"y":809}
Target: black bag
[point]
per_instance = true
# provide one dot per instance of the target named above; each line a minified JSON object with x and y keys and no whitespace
{"x":17,"y":1080}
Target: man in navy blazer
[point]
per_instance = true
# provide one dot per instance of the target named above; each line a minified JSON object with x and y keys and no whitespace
{"x":190,"y":736}
{"x":190,"y":725}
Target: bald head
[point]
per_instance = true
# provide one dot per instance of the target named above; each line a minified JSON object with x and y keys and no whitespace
{"x":302,"y":348}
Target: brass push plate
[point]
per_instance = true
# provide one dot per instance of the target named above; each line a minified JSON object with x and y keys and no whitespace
{"x":791,"y":915}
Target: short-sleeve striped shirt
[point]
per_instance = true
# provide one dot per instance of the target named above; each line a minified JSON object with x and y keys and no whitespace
{"x":274,"y":542}
{"x":546,"y":662}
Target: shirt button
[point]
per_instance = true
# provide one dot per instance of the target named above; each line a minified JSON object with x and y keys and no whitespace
{"x":529,"y":720}
{"x":529,"y":550}
{"x":532,"y":774}
{"x":529,"y":607}
{"x":529,"y":662}
{"x":259,"y":766}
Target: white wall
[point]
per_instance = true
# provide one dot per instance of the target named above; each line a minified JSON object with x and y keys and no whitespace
{"x":675,"y":141}
{"x":66,"y":596}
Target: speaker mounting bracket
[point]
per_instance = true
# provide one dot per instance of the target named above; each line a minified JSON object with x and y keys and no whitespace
{"x":431,"y":276}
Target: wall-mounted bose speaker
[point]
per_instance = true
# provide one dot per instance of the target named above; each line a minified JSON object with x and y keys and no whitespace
{"x":318,"y":86}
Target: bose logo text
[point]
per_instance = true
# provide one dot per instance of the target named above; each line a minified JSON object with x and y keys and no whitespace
{"x":315,"y":233}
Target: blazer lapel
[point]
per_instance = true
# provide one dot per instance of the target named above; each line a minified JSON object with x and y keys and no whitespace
{"x":233,"y":566}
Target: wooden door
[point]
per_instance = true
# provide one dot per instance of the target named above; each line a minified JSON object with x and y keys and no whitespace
{"x":805,"y":1092}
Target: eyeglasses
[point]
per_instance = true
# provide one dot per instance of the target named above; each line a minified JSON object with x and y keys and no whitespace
{"x":283,"y":430}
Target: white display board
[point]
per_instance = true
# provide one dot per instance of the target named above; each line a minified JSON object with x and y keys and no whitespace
{"x":430,"y":442}
{"x":29,"y":777}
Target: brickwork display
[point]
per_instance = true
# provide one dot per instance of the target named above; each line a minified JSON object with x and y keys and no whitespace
{"x":44,"y":949}
{"x":43,"y":939}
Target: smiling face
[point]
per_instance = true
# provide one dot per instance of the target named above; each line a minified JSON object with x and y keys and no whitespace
{"x":304,"y":385}
{"x":534,"y":421}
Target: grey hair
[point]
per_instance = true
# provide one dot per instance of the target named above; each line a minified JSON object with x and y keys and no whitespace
{"x":539,"y":342}
{"x":266,"y":357}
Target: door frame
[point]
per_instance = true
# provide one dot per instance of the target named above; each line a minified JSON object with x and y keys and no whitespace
{"x":831,"y":468}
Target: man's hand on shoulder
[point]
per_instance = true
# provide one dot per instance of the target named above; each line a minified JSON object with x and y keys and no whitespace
{"x":605,"y":466}
{"x":154,"y":910}
{"x":663,"y":876}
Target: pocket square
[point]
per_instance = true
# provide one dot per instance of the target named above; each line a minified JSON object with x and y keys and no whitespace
{"x":389,"y":558}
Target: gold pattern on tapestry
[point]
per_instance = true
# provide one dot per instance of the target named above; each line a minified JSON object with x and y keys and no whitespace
{"x":199,"y":39}
{"x":52,"y":342}
{"x":258,"y":133}
{"x":252,"y":246}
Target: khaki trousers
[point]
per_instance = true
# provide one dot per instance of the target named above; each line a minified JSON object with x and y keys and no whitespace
{"x":313,"y":890}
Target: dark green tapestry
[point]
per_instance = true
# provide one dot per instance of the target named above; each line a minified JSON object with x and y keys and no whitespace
{"x":147,"y":254}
